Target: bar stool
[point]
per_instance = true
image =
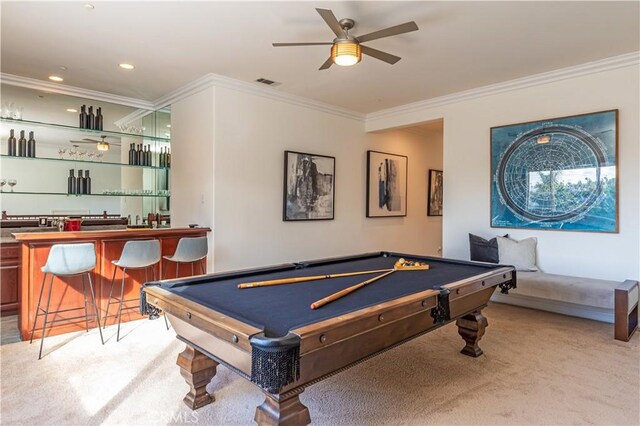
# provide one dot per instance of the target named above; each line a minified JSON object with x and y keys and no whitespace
{"x":67,"y":260}
{"x":135,"y":255}
{"x":190,"y":250}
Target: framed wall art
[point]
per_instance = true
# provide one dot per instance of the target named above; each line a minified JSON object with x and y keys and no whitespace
{"x":558,"y":174}
{"x":386,"y":184}
{"x":309,"y":186}
{"x":434,"y":206}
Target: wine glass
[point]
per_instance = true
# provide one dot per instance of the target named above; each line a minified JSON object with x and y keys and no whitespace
{"x":61,"y":152}
{"x":12,"y":183}
{"x":99,"y":155}
{"x":90,"y":155}
{"x":73,"y":152}
{"x":3,"y":182}
{"x":81,"y":154}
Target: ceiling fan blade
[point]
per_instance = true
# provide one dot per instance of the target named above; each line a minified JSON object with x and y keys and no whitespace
{"x":388,"y":32}
{"x":378,"y":54}
{"x":326,"y":64}
{"x":320,"y":43}
{"x":331,"y":20}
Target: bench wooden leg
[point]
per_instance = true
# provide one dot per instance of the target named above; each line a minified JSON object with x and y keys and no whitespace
{"x":471,"y":327}
{"x":197,"y":370}
{"x":626,"y":310}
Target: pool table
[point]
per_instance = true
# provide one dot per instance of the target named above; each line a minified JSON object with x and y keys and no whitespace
{"x":271,"y":336}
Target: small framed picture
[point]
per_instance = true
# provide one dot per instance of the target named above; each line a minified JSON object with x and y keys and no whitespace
{"x":386,"y":184}
{"x":434,"y":205}
{"x":309,"y":186}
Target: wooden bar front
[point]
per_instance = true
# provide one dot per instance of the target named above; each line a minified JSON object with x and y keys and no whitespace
{"x":67,"y":292}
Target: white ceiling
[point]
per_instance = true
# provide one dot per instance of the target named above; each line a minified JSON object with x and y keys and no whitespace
{"x":460,"y":45}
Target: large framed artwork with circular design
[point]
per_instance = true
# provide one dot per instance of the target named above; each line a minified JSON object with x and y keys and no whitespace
{"x":557,"y":174}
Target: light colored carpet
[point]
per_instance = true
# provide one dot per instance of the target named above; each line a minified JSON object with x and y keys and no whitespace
{"x":538,"y":368}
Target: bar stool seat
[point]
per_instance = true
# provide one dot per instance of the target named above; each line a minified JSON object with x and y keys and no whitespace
{"x":190,"y":250}
{"x":67,"y":260}
{"x":135,"y":255}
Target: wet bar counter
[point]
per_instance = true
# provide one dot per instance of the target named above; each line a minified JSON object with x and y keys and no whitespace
{"x":67,"y":292}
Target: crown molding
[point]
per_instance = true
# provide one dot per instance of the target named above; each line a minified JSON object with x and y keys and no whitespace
{"x":621,"y":61}
{"x":215,"y":80}
{"x":63,"y":89}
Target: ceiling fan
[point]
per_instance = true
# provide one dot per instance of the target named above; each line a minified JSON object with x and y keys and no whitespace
{"x":347,"y":49}
{"x":101,"y":145}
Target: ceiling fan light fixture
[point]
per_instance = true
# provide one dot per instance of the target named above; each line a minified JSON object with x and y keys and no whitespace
{"x":102,"y":146}
{"x":346,"y":53}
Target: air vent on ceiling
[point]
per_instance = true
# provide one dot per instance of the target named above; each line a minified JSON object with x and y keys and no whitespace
{"x":268,"y":82}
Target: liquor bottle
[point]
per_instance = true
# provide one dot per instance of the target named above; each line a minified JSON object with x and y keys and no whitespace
{"x":22,"y":145}
{"x":99,"y":119}
{"x":71,"y":183}
{"x":132,"y":153}
{"x":162,"y":161}
{"x":87,"y":182}
{"x":149,"y":159}
{"x":31,"y":146}
{"x":83,"y":117}
{"x":168,"y":158}
{"x":144,"y":155}
{"x":79,"y":183}
{"x":11,"y":144}
{"x":140,"y":155}
{"x":91,"y":119}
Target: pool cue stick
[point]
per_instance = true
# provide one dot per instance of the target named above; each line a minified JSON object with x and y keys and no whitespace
{"x":341,"y":293}
{"x":309,"y":278}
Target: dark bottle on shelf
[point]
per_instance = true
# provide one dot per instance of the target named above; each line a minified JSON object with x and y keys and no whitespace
{"x":79,"y":183}
{"x":71,"y":183}
{"x":149,"y":158}
{"x":12,"y":144}
{"x":83,"y":117}
{"x":31,"y":146}
{"x":140,"y":155}
{"x":163,"y":162}
{"x":131,"y":153}
{"x":144,"y":155}
{"x":87,"y":183}
{"x":22,"y":145}
{"x":91,"y":119}
{"x":168,"y":158}
{"x":99,"y":119}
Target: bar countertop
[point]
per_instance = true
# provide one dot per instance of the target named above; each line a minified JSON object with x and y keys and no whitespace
{"x":112,"y":233}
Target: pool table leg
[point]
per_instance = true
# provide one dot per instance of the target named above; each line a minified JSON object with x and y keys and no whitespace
{"x":197,"y":370}
{"x":471,"y":327}
{"x":282,"y":410}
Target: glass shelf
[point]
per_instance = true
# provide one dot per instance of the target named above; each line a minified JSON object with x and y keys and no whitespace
{"x":89,"y":131}
{"x":84,"y":195}
{"x":69,"y":160}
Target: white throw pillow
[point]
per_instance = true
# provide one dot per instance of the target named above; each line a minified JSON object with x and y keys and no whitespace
{"x":521,"y":254}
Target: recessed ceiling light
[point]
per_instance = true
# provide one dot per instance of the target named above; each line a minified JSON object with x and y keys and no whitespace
{"x":89,"y":6}
{"x":55,"y":78}
{"x":72,"y":110}
{"x":126,"y":66}
{"x":169,"y":125}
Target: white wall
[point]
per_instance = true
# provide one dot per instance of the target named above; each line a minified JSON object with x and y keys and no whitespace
{"x":232,"y":154}
{"x":192,"y":163}
{"x":467,"y":169}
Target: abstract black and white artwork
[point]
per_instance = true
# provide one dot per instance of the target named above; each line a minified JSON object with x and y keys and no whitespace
{"x":434,"y":206}
{"x":557,"y":174}
{"x":309,"y":186}
{"x":386,"y":184}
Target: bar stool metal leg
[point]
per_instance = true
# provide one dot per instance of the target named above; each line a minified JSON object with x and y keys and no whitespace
{"x":106,"y":315}
{"x":120,"y":307}
{"x":35,"y":320}
{"x":202,"y":266}
{"x":86,"y":314}
{"x":46,"y":314}
{"x":95,"y":306}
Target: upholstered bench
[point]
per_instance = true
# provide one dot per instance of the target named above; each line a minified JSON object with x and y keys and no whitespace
{"x":602,"y":300}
